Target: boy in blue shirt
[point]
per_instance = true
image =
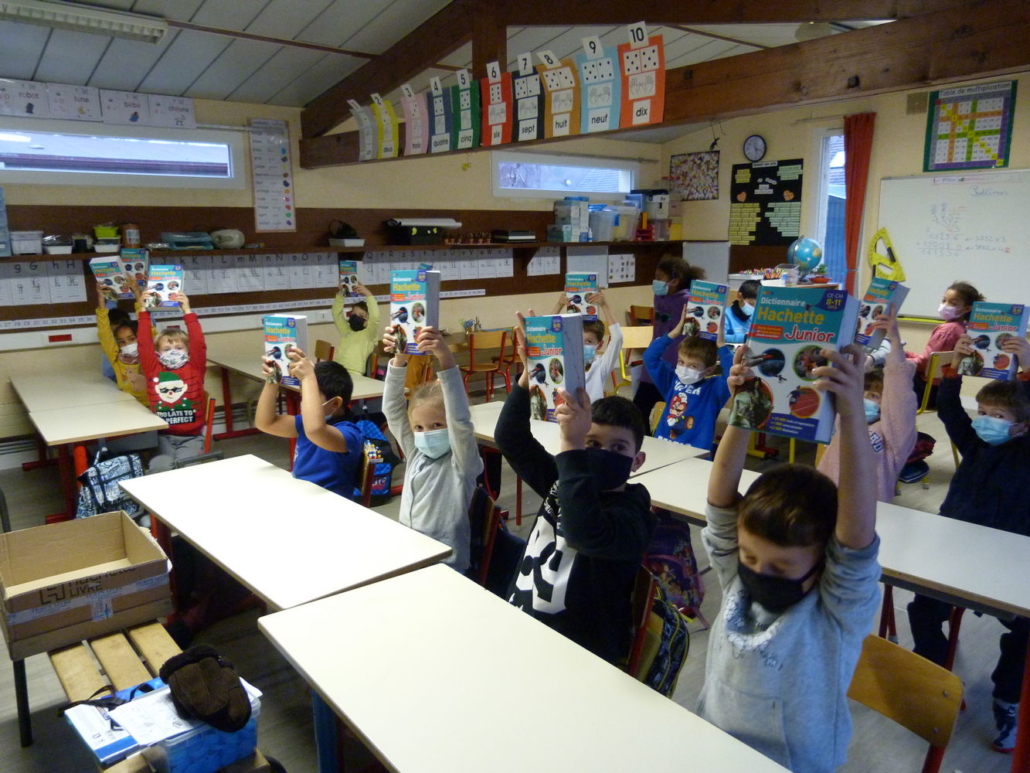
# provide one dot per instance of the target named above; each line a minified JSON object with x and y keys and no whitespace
{"x":693,"y":396}
{"x":329,"y":444}
{"x":738,"y":315}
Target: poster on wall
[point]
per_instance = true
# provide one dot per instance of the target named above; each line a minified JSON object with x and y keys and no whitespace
{"x":465,"y":109}
{"x":496,"y":101}
{"x":695,"y":176}
{"x":440,"y":117}
{"x":272,"y":170}
{"x":386,"y":127}
{"x":416,"y":125}
{"x":642,"y":69}
{"x":366,"y":131}
{"x":561,"y":95}
{"x":970,"y":127}
{"x":23,"y":98}
{"x":125,"y":108}
{"x":529,"y":100}
{"x":74,"y":103}
{"x":765,"y":206}
{"x":175,"y":112}
{"x":600,"y":85}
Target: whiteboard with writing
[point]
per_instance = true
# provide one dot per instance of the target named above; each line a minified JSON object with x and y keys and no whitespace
{"x":973,"y":227}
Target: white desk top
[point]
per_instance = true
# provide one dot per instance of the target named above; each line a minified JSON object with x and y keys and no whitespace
{"x":66,"y":390}
{"x":287,"y":540}
{"x":249,"y":364}
{"x":921,"y":551}
{"x":411,"y":665}
{"x":659,"y":453}
{"x":89,"y":422}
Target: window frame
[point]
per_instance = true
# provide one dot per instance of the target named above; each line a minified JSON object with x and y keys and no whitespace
{"x":498,"y":157}
{"x":235,"y":140}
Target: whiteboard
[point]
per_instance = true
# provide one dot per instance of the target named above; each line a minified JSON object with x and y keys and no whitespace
{"x":973,"y":227}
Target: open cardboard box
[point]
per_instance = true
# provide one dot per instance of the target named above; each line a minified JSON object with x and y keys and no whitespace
{"x":65,"y":582}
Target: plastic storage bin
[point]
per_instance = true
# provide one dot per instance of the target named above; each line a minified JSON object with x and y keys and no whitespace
{"x":27,"y":242}
{"x":204,"y":749}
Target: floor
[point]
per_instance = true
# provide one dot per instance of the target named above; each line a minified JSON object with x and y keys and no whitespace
{"x":285,"y":725}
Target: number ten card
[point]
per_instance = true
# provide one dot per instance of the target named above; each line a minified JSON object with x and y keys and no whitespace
{"x":643,"y":81}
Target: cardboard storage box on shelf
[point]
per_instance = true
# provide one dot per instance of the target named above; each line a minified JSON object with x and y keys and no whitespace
{"x":69,"y":581}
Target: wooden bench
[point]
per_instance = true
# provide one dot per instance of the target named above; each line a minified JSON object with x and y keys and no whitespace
{"x":121,"y":660}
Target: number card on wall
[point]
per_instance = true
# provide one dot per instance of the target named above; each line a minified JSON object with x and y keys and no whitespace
{"x":528,"y":118}
{"x":366,"y":131}
{"x":561,"y":95}
{"x":440,"y":117}
{"x":600,"y":87}
{"x":642,"y":64}
{"x":386,"y":127}
{"x":416,"y":123}
{"x":465,"y":109}
{"x":496,"y":101}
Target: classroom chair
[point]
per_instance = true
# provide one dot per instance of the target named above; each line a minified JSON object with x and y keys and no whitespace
{"x":649,"y":629}
{"x":640,"y":315}
{"x":505,"y":362}
{"x":485,"y":520}
{"x":656,"y":415}
{"x":919,"y":695}
{"x":209,"y":421}
{"x":889,"y":629}
{"x":487,"y":340}
{"x":933,"y":371}
{"x":324,"y":350}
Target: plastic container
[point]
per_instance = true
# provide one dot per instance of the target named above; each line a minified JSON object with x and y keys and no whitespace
{"x":204,"y":749}
{"x":626,"y":225}
{"x":602,"y":225}
{"x":58,"y":249}
{"x":130,"y":235}
{"x":105,"y":231}
{"x":26,"y":242}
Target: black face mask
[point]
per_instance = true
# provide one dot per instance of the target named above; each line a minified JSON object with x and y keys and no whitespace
{"x":608,"y":469}
{"x":357,"y":323}
{"x":774,"y":593}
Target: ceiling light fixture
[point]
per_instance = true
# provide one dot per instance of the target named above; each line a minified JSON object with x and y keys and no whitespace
{"x":84,"y":18}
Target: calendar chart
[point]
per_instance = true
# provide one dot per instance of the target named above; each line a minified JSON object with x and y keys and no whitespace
{"x":970,"y":127}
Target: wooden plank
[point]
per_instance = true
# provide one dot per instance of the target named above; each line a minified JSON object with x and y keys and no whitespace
{"x":489,"y":39}
{"x":445,"y":32}
{"x":154,"y":644}
{"x":120,"y":661}
{"x":77,"y":672}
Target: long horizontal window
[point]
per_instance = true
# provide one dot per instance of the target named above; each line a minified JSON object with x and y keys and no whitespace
{"x":525,"y":174}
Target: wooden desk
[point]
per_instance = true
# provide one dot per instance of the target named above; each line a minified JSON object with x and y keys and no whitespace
{"x":287,"y":540}
{"x":450,"y":707}
{"x":66,"y":390}
{"x":660,"y":453}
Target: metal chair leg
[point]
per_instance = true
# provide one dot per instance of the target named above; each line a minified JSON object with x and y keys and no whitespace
{"x":21,"y":692}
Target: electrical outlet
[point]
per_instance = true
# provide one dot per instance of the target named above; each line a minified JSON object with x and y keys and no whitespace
{"x":465,"y":99}
{"x":649,"y":58}
{"x":496,"y":95}
{"x":631,"y":62}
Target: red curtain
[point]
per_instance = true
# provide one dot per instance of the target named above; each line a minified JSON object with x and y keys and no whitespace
{"x":858,"y":149}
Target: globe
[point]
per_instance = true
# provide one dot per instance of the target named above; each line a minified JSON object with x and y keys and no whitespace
{"x":805,"y":253}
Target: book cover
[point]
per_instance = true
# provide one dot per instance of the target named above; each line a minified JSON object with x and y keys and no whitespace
{"x":105,"y":737}
{"x":284,"y":333}
{"x":349,"y":278}
{"x":989,"y":325}
{"x":705,"y":308}
{"x":135,"y":265}
{"x":555,"y":348}
{"x":165,"y":282}
{"x":414,"y":304}
{"x":882,"y":296}
{"x":578,"y":287}
{"x":789,"y":328}
{"x":110,"y":273}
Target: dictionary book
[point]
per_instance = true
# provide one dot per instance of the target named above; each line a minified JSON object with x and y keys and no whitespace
{"x":705,"y":309}
{"x":990,"y":324}
{"x":554,"y":345}
{"x":882,"y":297}
{"x":283,"y":334}
{"x":578,"y":288}
{"x":790,"y":327}
{"x":414,"y":304}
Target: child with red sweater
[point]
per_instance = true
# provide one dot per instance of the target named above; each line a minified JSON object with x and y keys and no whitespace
{"x":174,"y":365}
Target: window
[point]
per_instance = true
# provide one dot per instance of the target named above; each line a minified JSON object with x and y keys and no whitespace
{"x":543,"y":176}
{"x":94,"y":154}
{"x":832,"y":197}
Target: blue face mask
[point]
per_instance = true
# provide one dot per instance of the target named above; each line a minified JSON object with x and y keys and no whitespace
{"x":589,"y":353}
{"x":872,"y":410}
{"x":991,"y":430}
{"x":659,"y":287}
{"x":434,"y":443}
{"x":747,"y":308}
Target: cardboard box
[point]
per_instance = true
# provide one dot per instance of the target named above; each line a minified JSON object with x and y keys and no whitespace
{"x":65,"y":582}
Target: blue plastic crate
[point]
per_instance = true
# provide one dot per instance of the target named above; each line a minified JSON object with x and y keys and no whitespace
{"x":204,"y":749}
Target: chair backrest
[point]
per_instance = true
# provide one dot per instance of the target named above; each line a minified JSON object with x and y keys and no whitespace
{"x":643,"y":597}
{"x":487,"y":339}
{"x":484,"y":521}
{"x":907,"y":688}
{"x":372,"y":364}
{"x":214,"y":456}
{"x":5,"y":515}
{"x":656,"y":415}
{"x":641,"y":315}
{"x":324,"y":350}
{"x":637,"y":337}
{"x":933,"y":371}
{"x":209,"y":421}
{"x":367,"y":475}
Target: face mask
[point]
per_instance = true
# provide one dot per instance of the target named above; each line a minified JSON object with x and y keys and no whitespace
{"x":174,"y":358}
{"x":872,"y":410}
{"x":589,"y":353}
{"x":774,"y":593}
{"x":948,"y":313}
{"x":608,"y":469}
{"x":747,"y":308}
{"x":659,"y":287}
{"x":356,"y":322}
{"x":434,"y":443}
{"x":687,"y":375}
{"x":130,"y":351}
{"x":991,"y":430}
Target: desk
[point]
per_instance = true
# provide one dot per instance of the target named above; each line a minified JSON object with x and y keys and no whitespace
{"x":287,"y":540}
{"x":419,"y":682}
{"x":65,"y":390}
{"x":660,"y":453}
{"x":915,"y":551}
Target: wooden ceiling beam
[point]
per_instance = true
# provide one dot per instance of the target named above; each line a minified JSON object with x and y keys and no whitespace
{"x":489,"y":39}
{"x":565,"y":13}
{"x":440,"y":36}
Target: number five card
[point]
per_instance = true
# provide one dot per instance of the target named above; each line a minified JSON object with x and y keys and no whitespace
{"x":642,"y":63}
{"x":600,"y":86}
{"x":561,"y":95}
{"x":495,"y":97}
{"x":465,"y":109}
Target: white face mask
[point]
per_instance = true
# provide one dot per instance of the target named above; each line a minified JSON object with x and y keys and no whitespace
{"x":130,"y":351}
{"x":174,"y":358}
{"x":687,"y":375}
{"x":434,"y":443}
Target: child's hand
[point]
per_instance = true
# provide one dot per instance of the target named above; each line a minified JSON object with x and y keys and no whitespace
{"x":574,"y":420}
{"x":301,"y":369}
{"x":295,"y":353}
{"x":1018,"y":348}
{"x":431,"y":340}
{"x":143,"y":299}
{"x":677,"y":331}
{"x":101,"y":296}
{"x":741,"y":371}
{"x":561,"y":304}
{"x":268,"y":371}
{"x":521,"y":350}
{"x":846,"y":380}
{"x":964,"y":346}
{"x":358,"y":287}
{"x":390,"y":345}
{"x":183,"y":301}
{"x":598,"y":298}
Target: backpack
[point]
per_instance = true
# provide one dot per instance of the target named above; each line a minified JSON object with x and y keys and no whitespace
{"x":379,"y":453}
{"x":668,"y":626}
{"x":100,"y":492}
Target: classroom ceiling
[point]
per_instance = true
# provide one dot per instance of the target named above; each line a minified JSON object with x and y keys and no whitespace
{"x":219,"y":66}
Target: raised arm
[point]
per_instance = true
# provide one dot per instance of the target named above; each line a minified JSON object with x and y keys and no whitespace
{"x":395,"y":406}
{"x":318,"y":431}
{"x":724,"y":480}
{"x":464,"y":448}
{"x":265,"y":417}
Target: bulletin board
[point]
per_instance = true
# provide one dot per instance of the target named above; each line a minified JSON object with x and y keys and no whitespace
{"x":765,"y":202}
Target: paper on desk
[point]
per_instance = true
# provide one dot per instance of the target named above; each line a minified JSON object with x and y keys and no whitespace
{"x":152,"y":718}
